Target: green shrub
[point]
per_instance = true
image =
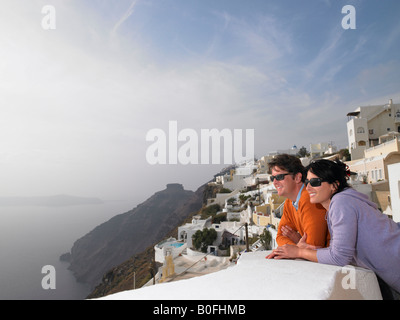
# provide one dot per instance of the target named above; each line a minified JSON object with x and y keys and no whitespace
{"x":266,"y":239}
{"x":204,"y":238}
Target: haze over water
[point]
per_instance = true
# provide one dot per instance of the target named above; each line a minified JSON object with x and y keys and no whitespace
{"x":34,"y":236}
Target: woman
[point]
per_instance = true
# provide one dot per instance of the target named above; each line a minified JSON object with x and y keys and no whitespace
{"x":360,"y":234}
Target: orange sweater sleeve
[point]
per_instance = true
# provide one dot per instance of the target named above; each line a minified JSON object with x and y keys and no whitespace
{"x":308,"y":218}
{"x":287,"y":219}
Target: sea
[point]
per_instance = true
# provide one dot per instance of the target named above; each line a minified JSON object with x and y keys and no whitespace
{"x":34,"y":237}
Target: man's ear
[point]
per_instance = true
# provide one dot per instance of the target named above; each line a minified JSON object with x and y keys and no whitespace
{"x":297,"y":177}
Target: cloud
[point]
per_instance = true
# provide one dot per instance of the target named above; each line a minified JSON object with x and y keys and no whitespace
{"x":326,"y":61}
{"x":75,"y":120}
{"x":391,"y":39}
{"x":124,"y":17}
{"x":76,"y":107}
{"x":264,"y":37}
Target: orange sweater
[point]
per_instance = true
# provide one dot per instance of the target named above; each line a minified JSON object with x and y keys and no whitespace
{"x":309,"y":218}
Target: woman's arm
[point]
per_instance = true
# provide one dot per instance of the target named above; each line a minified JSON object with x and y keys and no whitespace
{"x":342,"y":247}
{"x":344,"y":226}
{"x":293,"y":252}
{"x":302,"y":251}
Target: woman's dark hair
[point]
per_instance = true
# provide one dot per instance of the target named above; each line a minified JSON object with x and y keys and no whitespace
{"x":334,"y":172}
{"x":289,"y":163}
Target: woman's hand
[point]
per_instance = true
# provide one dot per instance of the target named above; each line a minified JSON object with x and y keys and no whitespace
{"x":288,"y":251}
{"x":301,"y":250}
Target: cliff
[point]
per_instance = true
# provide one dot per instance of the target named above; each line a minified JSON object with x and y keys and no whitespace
{"x":127,"y":234}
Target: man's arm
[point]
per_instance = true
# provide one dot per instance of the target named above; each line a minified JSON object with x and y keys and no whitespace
{"x":290,"y":233}
{"x":286,"y":220}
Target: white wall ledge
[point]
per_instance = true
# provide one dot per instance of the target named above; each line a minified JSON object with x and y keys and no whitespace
{"x":257,"y":278}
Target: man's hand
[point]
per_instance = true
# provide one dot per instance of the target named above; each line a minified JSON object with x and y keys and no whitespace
{"x":303,"y":244}
{"x":290,"y":233}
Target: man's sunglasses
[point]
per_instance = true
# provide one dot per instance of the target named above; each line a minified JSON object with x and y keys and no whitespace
{"x":314,"y":182}
{"x":278,"y":177}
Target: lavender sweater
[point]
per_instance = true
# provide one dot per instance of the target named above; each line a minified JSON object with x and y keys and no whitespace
{"x":361,"y":235}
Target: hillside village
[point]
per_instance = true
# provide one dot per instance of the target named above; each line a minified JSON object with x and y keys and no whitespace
{"x":239,"y":219}
{"x":248,"y":203}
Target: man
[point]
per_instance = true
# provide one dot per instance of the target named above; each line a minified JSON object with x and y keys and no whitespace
{"x":299,"y":216}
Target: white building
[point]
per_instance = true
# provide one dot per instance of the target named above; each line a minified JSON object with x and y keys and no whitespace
{"x":394,"y":184}
{"x":372,"y":125}
{"x":293,"y":151}
{"x":228,"y":233}
{"x":168,"y":247}
{"x":321,"y":148}
{"x":238,"y":179}
{"x":186,"y":231}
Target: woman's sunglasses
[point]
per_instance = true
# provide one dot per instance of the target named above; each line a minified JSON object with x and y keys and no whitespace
{"x":278,"y":177}
{"x":314,"y":182}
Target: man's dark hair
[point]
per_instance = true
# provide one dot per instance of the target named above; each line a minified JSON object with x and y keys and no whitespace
{"x":289,"y":163}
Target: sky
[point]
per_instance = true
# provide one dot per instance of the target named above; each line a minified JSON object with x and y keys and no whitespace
{"x":82,"y":85}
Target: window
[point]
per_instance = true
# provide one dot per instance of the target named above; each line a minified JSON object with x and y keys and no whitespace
{"x":372,"y":174}
{"x":360,"y":130}
{"x":350,"y":132}
{"x":398,"y":187}
{"x":371,"y":131}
